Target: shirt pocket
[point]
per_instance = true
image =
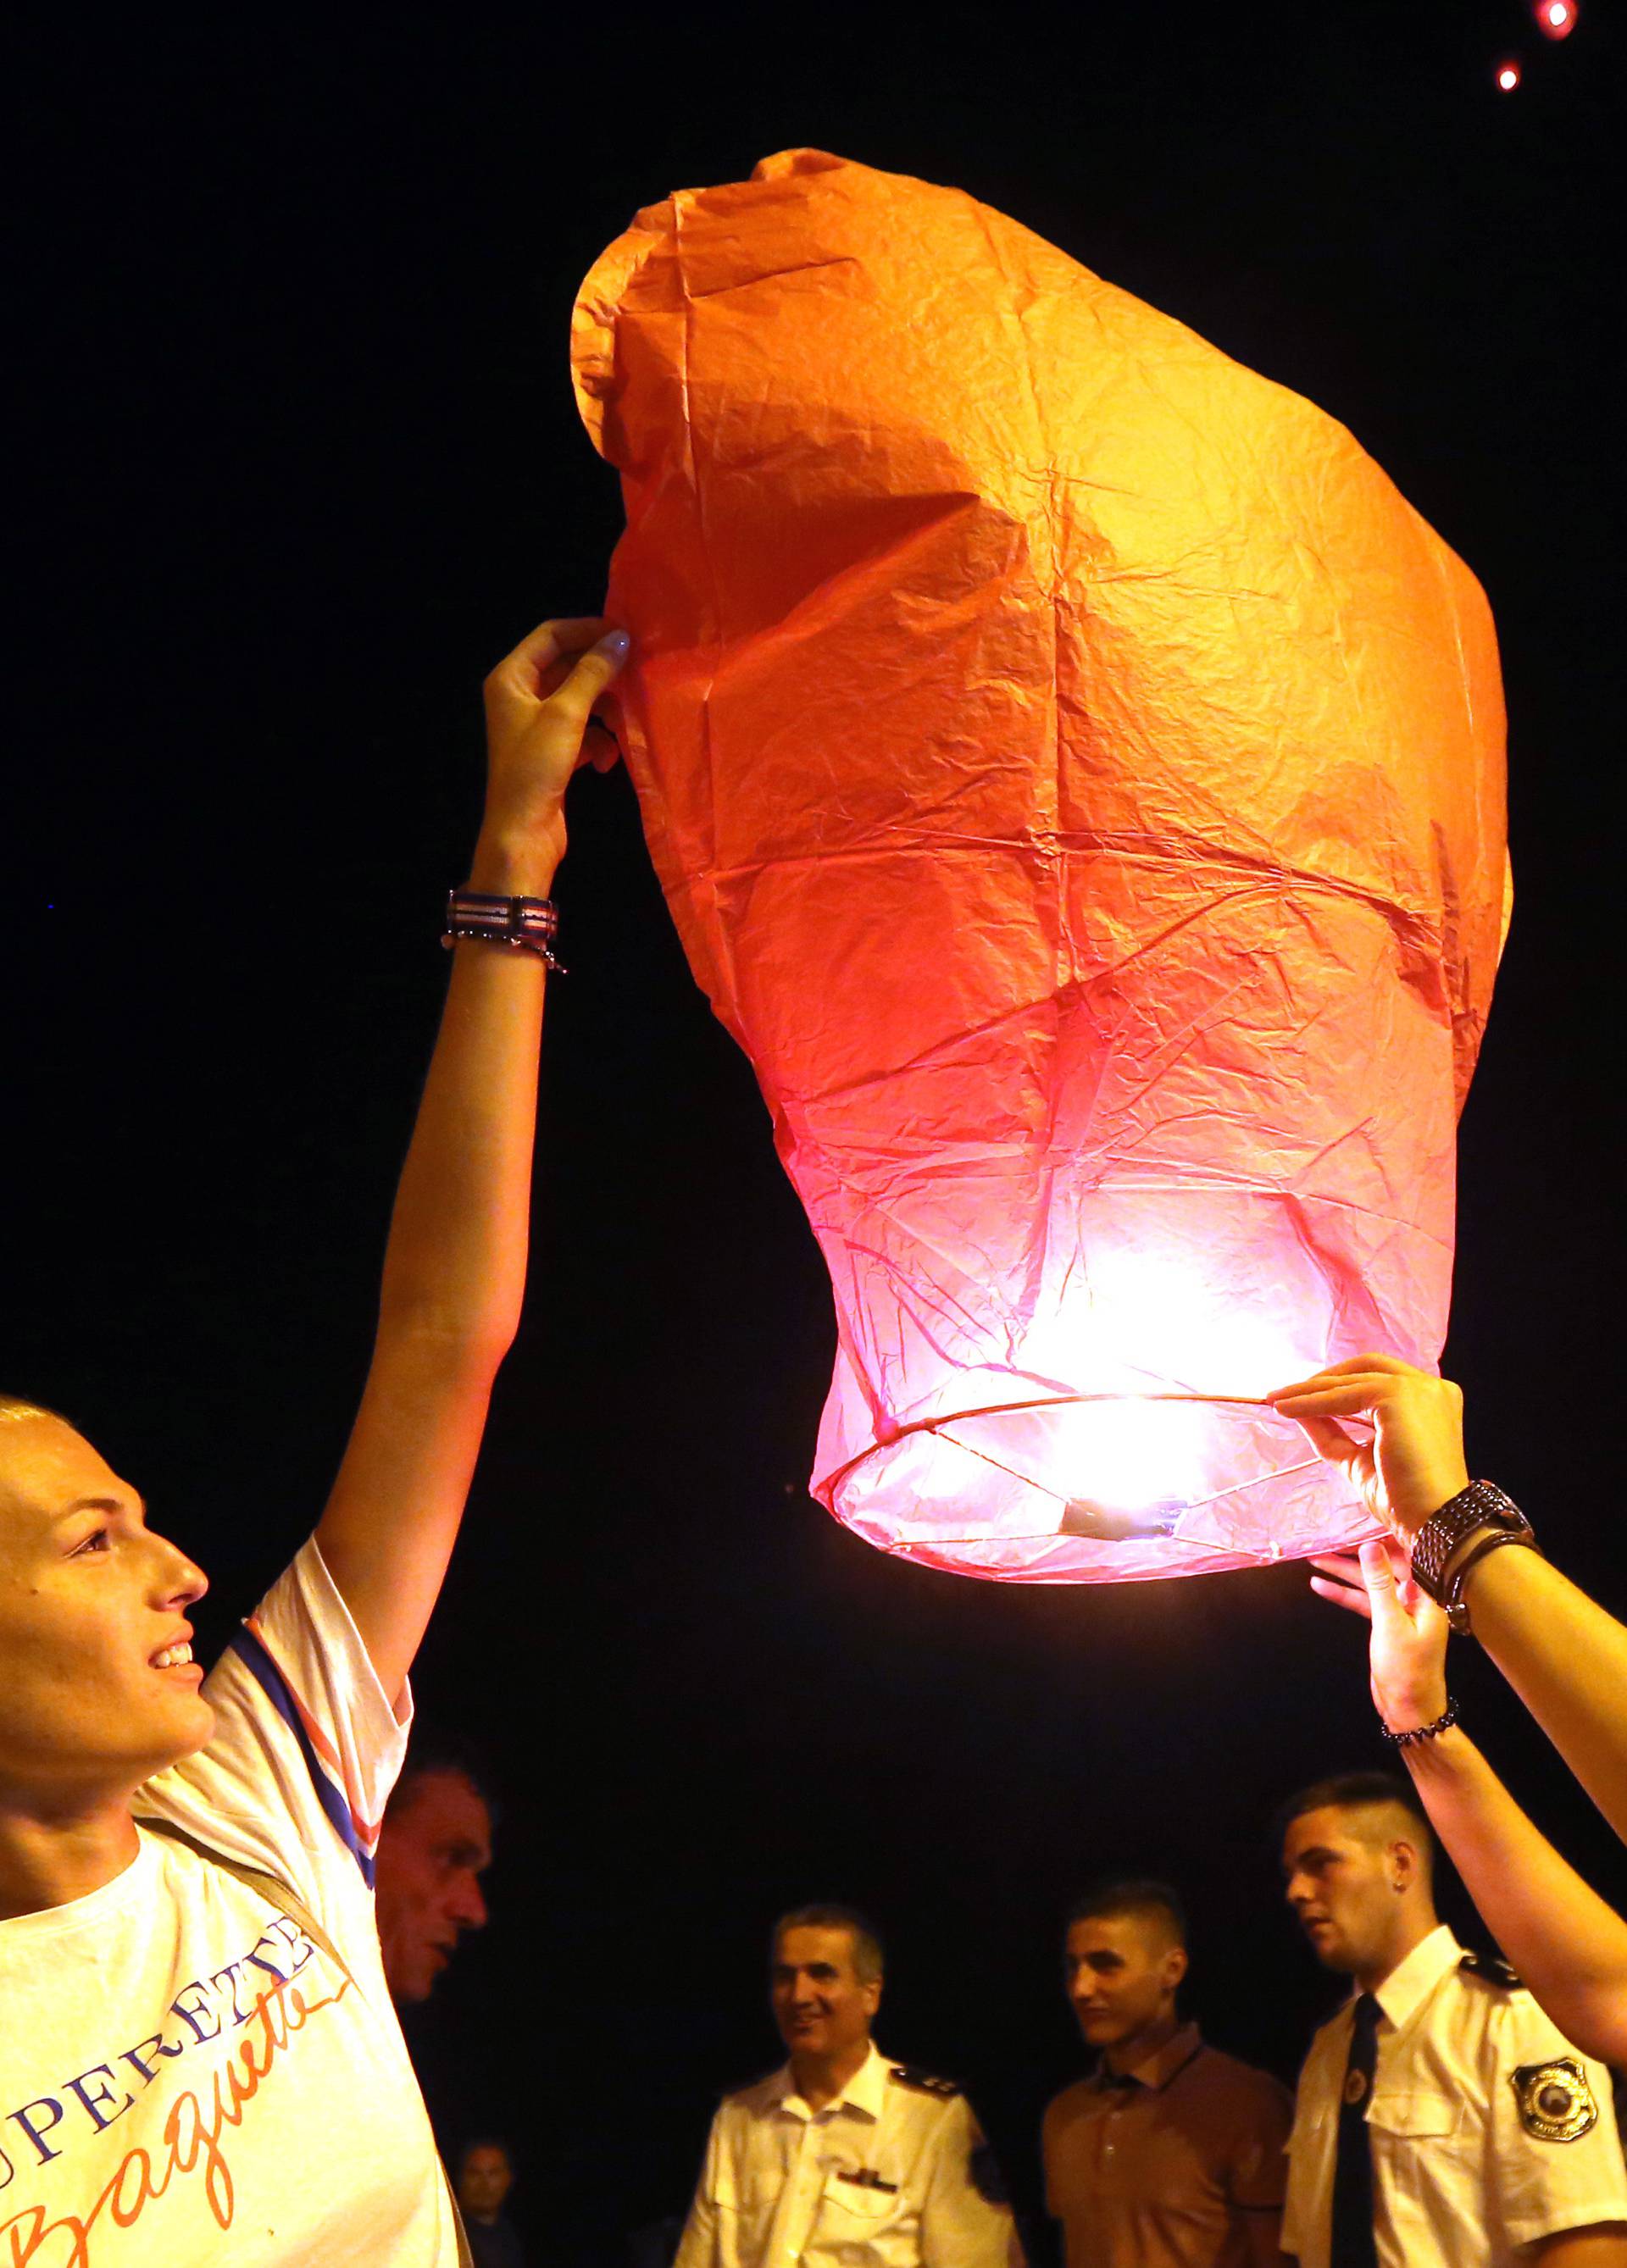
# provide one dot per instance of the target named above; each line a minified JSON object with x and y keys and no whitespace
{"x":865,"y":2227}
{"x":746,"y":2206}
{"x":1417,"y":2115}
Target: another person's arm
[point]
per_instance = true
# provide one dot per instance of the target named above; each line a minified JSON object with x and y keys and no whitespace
{"x":1566,"y":1659}
{"x":1565,"y":1942}
{"x":454,"y":1267}
{"x":1563,"y":1655}
{"x":1258,"y":2175}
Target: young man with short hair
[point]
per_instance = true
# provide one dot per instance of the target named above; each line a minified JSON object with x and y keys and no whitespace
{"x":1441,"y":2116}
{"x":1170,"y":2154}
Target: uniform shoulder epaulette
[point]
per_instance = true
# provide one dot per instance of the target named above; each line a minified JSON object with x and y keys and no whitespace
{"x":1491,"y":1970}
{"x":906,"y":2075}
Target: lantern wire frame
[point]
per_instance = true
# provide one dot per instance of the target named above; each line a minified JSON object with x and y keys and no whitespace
{"x":894,"y":1434}
{"x":939,"y":1427}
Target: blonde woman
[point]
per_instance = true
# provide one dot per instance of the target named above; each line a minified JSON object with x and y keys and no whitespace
{"x":198,"y":2057}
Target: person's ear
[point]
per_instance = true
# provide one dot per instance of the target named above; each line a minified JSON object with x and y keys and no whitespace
{"x":1175,"y":1965}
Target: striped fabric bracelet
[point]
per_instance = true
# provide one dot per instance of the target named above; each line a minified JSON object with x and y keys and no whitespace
{"x":531,"y":924}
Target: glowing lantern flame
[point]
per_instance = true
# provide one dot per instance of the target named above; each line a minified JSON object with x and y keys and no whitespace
{"x":1556,"y":19}
{"x":1075,"y":774}
{"x":1508,"y":76}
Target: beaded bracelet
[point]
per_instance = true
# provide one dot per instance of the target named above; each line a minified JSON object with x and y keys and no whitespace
{"x":1442,"y":1724}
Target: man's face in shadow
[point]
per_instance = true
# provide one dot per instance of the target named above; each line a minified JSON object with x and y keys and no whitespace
{"x":484,"y":2179}
{"x":435,"y":1844}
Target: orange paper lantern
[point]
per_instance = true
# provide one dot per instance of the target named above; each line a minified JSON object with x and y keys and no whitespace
{"x":1075,"y":776}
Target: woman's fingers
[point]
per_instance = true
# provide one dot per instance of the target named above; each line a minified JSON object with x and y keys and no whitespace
{"x":1340,"y":1594}
{"x":1345,"y":1397}
{"x":599,"y":746}
{"x":1344,"y":1566}
{"x":1418,"y":1419}
{"x":538,"y":701}
{"x":1329,"y":1440}
{"x":1382,"y":1366}
{"x":1342,"y":1579}
{"x":538,"y":666}
{"x":1378,"y":1575}
{"x":522,"y":670}
{"x":594,"y":669}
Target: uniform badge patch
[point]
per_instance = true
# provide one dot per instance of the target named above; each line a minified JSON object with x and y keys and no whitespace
{"x":1555,"y":2103}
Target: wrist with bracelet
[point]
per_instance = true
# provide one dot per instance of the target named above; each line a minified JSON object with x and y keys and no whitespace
{"x":1457,"y":1537}
{"x":1444,"y":1723}
{"x":485,"y":918}
{"x":1451,"y":1542}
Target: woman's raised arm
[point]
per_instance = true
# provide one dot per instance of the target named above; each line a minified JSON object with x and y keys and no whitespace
{"x":454,"y":1268}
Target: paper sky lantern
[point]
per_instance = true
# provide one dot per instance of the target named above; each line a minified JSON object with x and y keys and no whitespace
{"x":1075,"y":773}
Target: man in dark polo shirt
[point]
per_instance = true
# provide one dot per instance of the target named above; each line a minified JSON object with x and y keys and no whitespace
{"x":1170,"y":2154}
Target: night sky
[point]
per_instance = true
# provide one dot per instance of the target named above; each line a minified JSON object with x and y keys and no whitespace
{"x":299,"y":462}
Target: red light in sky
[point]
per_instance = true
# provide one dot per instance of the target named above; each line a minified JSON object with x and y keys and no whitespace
{"x":1508,"y":75}
{"x":1556,"y":19}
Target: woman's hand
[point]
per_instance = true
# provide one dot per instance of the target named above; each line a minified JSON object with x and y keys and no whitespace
{"x":1414,"y":1463}
{"x":538,"y":701}
{"x":1408,"y":1654}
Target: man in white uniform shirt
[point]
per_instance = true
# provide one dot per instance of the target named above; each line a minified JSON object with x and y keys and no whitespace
{"x":843,"y":2156}
{"x":1441,"y":2116}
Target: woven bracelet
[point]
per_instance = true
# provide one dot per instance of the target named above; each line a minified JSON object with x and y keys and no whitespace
{"x":480,"y":918}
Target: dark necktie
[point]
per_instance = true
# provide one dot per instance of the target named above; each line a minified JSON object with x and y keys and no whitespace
{"x":1353,"y":2245}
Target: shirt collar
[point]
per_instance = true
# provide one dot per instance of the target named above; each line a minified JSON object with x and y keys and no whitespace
{"x":1410,"y":1982}
{"x":1157,"y":2069}
{"x":863,"y":2093}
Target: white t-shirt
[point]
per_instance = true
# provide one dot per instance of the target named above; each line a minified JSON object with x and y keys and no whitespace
{"x":184,"y":2077}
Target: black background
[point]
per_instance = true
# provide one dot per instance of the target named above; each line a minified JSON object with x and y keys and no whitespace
{"x":299,"y":461}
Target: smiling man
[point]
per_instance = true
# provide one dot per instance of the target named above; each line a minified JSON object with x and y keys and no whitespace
{"x":1170,"y":2154}
{"x":842,"y":2157}
{"x":1441,"y":2119}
